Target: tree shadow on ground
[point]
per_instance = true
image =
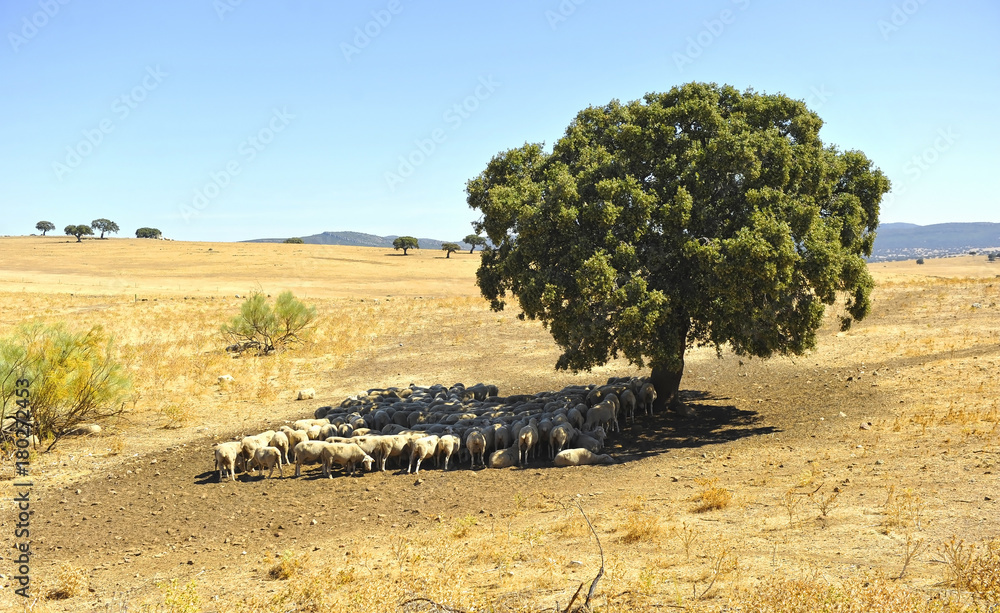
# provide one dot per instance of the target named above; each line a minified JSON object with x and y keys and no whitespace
{"x":711,"y":422}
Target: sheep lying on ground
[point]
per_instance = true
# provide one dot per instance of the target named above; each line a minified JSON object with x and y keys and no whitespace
{"x":267,"y":457}
{"x":502,"y":458}
{"x":227,"y":457}
{"x":306,"y":394}
{"x":422,"y":449}
{"x":581,"y":457}
{"x":344,"y":454}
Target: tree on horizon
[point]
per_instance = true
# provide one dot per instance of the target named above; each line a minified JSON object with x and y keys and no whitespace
{"x":450,"y":248}
{"x":699,"y":216}
{"x":475,"y":241}
{"x":405,"y":243}
{"x":78,"y":231}
{"x":148,"y":233}
{"x":104,"y":225}
{"x":45,"y":226}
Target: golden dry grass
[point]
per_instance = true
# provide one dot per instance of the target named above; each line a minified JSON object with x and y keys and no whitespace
{"x":825,"y":509}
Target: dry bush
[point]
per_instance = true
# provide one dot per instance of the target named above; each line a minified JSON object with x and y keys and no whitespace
{"x":285,"y":567}
{"x":975,"y":569}
{"x":640,"y":527}
{"x":712,"y":497}
{"x":463,"y":526}
{"x":861,"y":595}
{"x":70,"y":582}
{"x":903,"y":510}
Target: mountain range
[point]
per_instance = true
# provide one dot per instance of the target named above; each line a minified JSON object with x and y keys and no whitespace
{"x":894,"y":241}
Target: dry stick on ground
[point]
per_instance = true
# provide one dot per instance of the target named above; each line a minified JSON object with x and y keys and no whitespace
{"x":437,"y":606}
{"x":600,"y":573}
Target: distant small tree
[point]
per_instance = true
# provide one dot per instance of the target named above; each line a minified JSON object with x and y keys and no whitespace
{"x":262,"y":329}
{"x":73,"y":378}
{"x":295,"y":240}
{"x":405,"y":243}
{"x":104,"y":225}
{"x":475,"y":240}
{"x":992,"y":257}
{"x":148,"y":233}
{"x":450,"y":248}
{"x":920,"y":260}
{"x":78,"y":231}
{"x":45,"y":226}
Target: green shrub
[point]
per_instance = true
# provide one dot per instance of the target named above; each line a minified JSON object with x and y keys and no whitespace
{"x":262,"y":329}
{"x":73,"y":377}
{"x":295,"y":240}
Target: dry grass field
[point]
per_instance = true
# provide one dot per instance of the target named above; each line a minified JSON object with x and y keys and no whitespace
{"x":862,"y":477}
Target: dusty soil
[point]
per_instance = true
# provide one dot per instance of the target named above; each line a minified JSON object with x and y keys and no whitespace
{"x":896,"y":420}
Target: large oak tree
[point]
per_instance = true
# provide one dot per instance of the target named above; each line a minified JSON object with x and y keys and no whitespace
{"x":699,"y":216}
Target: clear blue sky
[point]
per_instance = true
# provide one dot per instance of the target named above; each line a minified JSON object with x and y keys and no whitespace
{"x":288,"y":118}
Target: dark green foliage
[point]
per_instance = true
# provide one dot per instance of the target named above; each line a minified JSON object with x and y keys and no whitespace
{"x":920,"y":260}
{"x":148,"y":233}
{"x":700,"y":216}
{"x":78,"y":231}
{"x":74,"y":377}
{"x":475,"y":240}
{"x":262,"y":329}
{"x":104,"y":225}
{"x":45,"y":226}
{"x":405,"y":243}
{"x":450,"y":248}
{"x":295,"y":240}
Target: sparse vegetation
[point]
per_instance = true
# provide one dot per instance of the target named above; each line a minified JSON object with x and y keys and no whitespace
{"x":712,"y":497}
{"x":75,"y":378}
{"x":294,"y":241}
{"x":263,"y":329}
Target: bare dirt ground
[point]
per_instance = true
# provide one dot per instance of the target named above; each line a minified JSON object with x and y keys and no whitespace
{"x":836,"y":465}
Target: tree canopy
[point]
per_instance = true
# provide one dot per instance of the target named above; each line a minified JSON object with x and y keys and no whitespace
{"x":295,"y":240}
{"x":475,"y":241}
{"x":405,"y":243}
{"x":78,"y":231}
{"x":699,"y":216}
{"x":45,"y":226}
{"x":104,"y":225}
{"x":147,"y":233}
{"x":449,"y":248}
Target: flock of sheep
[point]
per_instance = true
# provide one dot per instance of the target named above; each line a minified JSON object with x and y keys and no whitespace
{"x":450,"y":424}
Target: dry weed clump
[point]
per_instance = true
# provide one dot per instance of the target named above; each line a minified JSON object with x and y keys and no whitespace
{"x":975,"y":569}
{"x":903,"y":510}
{"x":70,"y":582}
{"x":286,"y":566}
{"x":640,"y":524}
{"x":861,"y":595}
{"x":712,"y":497}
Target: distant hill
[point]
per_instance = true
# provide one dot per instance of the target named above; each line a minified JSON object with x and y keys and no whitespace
{"x":904,"y":241}
{"x":894,"y":241}
{"x":360,"y":239}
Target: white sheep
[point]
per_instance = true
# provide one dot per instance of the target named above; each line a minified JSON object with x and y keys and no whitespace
{"x":422,"y":449}
{"x":560,"y":435}
{"x":344,"y":454}
{"x":448,"y":445}
{"x":227,"y":455}
{"x":475,"y":442}
{"x":646,"y":397}
{"x":628,"y":402}
{"x":602,"y":413}
{"x":593,"y":441}
{"x":267,"y":457}
{"x":526,"y":439}
{"x":306,"y":394}
{"x":280,"y":441}
{"x":308,"y":451}
{"x":502,"y":458}
{"x":581,"y":457}
{"x":250,"y":444}
{"x":305,"y":424}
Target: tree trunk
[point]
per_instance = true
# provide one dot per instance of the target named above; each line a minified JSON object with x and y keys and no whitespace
{"x":447,"y":255}
{"x":667,"y":382}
